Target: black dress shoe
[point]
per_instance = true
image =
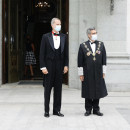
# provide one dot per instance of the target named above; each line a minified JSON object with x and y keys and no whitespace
{"x":87,"y":113}
{"x":46,"y":114}
{"x":98,"y":113}
{"x":58,"y":114}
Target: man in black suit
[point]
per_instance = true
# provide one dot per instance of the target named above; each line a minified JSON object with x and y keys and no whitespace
{"x":92,"y":69}
{"x":53,"y":63}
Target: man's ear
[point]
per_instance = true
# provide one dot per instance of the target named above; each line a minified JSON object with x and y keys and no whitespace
{"x":88,"y":35}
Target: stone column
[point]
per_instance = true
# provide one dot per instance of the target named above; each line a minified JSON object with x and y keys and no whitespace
{"x":128,"y":26}
{"x":87,"y":17}
{"x":82,"y":15}
{"x":114,"y":31}
{"x":73,"y":42}
{"x":0,"y":42}
{"x":112,"y":28}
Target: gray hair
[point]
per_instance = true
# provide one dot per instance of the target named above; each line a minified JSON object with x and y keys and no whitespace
{"x":89,"y":30}
{"x":53,"y":20}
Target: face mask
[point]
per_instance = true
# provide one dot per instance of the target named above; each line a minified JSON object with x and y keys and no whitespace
{"x":58,"y":28}
{"x":94,"y":37}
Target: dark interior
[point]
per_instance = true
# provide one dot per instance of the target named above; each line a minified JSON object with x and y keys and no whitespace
{"x":28,"y":17}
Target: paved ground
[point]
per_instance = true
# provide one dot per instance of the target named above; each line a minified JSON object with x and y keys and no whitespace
{"x":21,"y":108}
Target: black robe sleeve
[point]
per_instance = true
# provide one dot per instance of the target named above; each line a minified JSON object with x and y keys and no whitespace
{"x":104,"y":56}
{"x":80,"y":57}
{"x":42,"y":52}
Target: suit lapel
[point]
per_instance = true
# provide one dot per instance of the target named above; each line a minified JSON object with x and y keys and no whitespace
{"x":51,"y":41}
{"x":62,"y":41}
{"x":88,"y":44}
{"x":96,"y":43}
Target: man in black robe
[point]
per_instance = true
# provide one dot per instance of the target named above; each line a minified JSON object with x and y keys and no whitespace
{"x":92,"y":69}
{"x":53,"y":63}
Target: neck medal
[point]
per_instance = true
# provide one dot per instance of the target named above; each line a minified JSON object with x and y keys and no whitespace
{"x":90,"y":52}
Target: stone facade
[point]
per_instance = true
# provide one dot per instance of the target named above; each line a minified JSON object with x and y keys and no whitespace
{"x":0,"y":42}
{"x":113,"y":29}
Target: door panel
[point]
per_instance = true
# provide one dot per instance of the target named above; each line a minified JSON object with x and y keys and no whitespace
{"x":12,"y":41}
{"x":15,"y":20}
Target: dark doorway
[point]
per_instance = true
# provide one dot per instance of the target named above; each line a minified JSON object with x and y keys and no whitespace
{"x":31,"y":17}
{"x":38,"y":14}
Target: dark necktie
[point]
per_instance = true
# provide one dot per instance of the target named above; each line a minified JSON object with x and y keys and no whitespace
{"x":92,"y":43}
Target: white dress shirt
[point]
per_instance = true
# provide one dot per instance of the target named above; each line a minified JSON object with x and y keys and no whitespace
{"x":80,"y":69}
{"x":56,"y":40}
{"x":93,"y":47}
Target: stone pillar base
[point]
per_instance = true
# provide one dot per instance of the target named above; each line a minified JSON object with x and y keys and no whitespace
{"x":118,"y":73}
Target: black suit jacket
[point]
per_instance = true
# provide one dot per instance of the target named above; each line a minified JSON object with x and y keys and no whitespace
{"x":47,"y":50}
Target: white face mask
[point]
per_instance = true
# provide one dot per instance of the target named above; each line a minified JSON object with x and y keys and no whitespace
{"x":58,"y":28}
{"x":94,"y":37}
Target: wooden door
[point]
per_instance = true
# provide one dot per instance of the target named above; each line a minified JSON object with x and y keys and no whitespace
{"x":13,"y":75}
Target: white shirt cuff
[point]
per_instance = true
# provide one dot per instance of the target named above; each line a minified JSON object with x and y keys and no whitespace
{"x":104,"y":69}
{"x":43,"y":68}
{"x":80,"y":71}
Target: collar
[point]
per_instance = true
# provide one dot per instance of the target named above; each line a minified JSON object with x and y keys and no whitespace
{"x":91,"y":42}
{"x":55,"y":34}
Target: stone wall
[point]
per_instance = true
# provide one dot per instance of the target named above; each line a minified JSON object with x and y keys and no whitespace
{"x":128,"y":26}
{"x":0,"y":42}
{"x":113,"y":30}
{"x":73,"y":42}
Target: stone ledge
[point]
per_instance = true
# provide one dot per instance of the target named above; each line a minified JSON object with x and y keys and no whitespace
{"x":118,"y":56}
{"x":118,"y":87}
{"x":118,"y":62}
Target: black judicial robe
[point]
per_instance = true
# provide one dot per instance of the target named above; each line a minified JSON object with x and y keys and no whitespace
{"x":93,"y":86}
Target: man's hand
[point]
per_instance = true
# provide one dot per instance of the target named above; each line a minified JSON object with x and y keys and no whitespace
{"x":82,"y":78}
{"x":65,"y":69}
{"x":45,"y":71}
{"x":103,"y":75}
